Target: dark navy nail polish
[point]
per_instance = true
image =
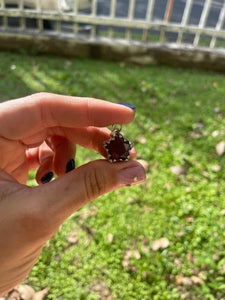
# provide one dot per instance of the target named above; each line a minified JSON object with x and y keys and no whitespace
{"x":48,"y":177}
{"x":70,"y":165}
{"x":128,"y":105}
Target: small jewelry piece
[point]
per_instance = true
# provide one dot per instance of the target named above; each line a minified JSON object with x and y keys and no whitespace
{"x":117,"y":148}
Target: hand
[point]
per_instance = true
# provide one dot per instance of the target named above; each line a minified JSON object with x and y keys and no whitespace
{"x":40,"y":131}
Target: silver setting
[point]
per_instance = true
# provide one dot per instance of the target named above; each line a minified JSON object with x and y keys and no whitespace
{"x":115,"y":135}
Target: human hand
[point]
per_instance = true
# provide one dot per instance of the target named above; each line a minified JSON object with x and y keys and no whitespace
{"x":40,"y":131}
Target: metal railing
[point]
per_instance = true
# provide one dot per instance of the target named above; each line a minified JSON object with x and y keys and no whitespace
{"x":164,"y":21}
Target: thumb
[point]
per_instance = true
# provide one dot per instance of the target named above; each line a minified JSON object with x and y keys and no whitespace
{"x":70,"y":192}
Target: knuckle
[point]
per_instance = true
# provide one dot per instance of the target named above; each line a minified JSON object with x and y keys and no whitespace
{"x":95,"y":183}
{"x":40,"y":95}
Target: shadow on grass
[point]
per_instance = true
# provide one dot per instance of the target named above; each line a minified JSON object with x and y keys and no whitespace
{"x":187,"y":105}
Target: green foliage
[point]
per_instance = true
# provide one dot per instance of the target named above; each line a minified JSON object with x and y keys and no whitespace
{"x":179,"y":122}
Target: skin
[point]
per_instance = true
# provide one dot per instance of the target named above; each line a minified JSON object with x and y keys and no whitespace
{"x":41,"y":131}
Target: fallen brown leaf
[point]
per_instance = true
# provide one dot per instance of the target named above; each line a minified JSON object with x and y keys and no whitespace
{"x":144,"y":163}
{"x":92,"y":211}
{"x":130,"y":200}
{"x":147,"y":208}
{"x":195,"y":134}
{"x":40,"y":295}
{"x":26,"y":292}
{"x":72,"y":239}
{"x":110,"y":237}
{"x":137,"y":254}
{"x":222,"y":267}
{"x":217,"y":110}
{"x":215,"y":133}
{"x":101,"y":288}
{"x":187,"y":281}
{"x":179,"y":279}
{"x":145,"y":274}
{"x":190,"y":256}
{"x":177,"y":262}
{"x":161,"y":243}
{"x":168,"y":186}
{"x":178,"y":170}
{"x":154,"y":128}
{"x":141,"y":139}
{"x":216,"y":168}
{"x":179,"y":234}
{"x":125,"y":263}
{"x":220,"y":148}
{"x":128,"y":254}
{"x":215,"y":84}
{"x":196,"y":280}
{"x":13,"y":295}
{"x":188,"y":189}
{"x":190,"y":219}
{"x":198,"y":103}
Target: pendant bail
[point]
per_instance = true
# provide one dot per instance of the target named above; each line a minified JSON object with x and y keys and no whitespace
{"x":116,"y":130}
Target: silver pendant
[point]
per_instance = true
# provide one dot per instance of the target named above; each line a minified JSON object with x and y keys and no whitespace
{"x":117,"y":148}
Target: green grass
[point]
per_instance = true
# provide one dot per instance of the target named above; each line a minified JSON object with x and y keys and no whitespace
{"x":185,"y":107}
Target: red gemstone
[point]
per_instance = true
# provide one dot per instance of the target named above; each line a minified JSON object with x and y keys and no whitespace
{"x":118,"y":148}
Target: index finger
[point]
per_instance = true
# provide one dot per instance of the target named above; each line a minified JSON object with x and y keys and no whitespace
{"x":25,"y":116}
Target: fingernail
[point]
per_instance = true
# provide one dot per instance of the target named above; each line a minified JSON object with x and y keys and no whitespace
{"x":70,"y":165}
{"x":131,"y":176}
{"x":48,"y":177}
{"x":128,"y":105}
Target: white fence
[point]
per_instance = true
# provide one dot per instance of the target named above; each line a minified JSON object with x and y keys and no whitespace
{"x":174,"y":23}
{"x":175,"y":32}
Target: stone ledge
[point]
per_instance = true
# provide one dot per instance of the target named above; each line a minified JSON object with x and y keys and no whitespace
{"x":117,"y":49}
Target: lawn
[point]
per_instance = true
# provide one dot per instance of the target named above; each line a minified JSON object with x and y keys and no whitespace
{"x":163,"y":239}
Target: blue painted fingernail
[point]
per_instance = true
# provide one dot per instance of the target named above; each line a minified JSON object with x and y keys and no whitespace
{"x":70,"y":165}
{"x":48,"y":177}
{"x":128,"y":105}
